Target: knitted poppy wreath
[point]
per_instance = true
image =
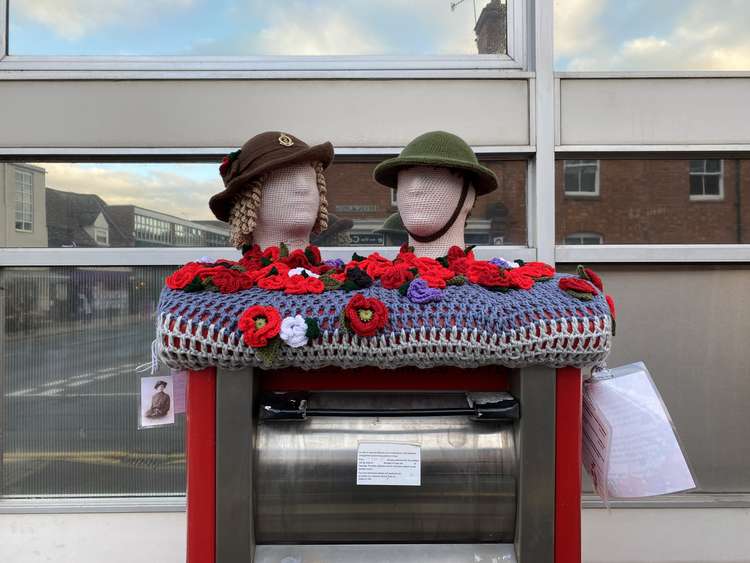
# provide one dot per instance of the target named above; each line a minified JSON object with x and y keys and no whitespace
{"x":303,"y":272}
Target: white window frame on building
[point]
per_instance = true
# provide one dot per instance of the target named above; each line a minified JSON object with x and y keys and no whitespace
{"x":704,"y":175}
{"x":580,"y":166}
{"x":24,"y":201}
{"x":285,"y":66}
{"x":515,"y":107}
{"x":584,"y":238}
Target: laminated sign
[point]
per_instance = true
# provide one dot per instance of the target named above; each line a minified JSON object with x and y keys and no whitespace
{"x":630,"y":447}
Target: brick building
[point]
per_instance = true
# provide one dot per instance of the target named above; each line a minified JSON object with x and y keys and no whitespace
{"x":653,"y":201}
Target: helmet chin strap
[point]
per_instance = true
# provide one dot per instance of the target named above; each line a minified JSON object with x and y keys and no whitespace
{"x":456,"y":212}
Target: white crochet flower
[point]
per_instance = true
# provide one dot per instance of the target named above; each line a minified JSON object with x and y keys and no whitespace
{"x":293,"y":331}
{"x":298,"y":272}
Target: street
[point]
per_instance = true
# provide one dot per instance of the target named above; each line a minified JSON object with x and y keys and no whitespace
{"x":70,"y":415}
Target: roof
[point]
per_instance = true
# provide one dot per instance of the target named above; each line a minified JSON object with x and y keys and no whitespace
{"x":68,"y":215}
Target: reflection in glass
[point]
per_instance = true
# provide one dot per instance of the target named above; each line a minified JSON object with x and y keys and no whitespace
{"x":166,"y":205}
{"x":71,"y":339}
{"x":254,"y":27}
{"x":647,"y":35}
{"x":651,"y":201}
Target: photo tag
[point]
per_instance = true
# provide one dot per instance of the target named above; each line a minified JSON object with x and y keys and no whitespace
{"x":156,"y":402}
{"x":630,"y":446}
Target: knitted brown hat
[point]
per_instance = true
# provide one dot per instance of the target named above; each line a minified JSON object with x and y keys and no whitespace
{"x":263,"y":153}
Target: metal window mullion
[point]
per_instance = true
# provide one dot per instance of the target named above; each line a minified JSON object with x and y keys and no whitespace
{"x":542,"y":168}
{"x":4,"y":26}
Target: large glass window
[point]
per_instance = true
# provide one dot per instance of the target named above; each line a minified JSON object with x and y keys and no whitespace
{"x":656,"y":201}
{"x":166,"y":205}
{"x":24,"y":201}
{"x":71,"y":339}
{"x":257,"y":28}
{"x":643,"y":34}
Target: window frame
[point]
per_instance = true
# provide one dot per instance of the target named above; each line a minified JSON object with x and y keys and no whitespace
{"x":720,"y":174}
{"x":23,"y":172}
{"x":582,"y":235}
{"x":132,"y":67}
{"x":580,"y":164}
{"x":548,"y":139}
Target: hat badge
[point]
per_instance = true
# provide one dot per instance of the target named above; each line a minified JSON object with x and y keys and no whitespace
{"x":285,"y":140}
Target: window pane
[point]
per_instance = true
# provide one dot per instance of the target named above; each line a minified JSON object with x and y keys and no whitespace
{"x":156,"y":205}
{"x":253,"y":27}
{"x":696,"y":184}
{"x":71,"y":339}
{"x":588,"y":179}
{"x":698,"y":166}
{"x":571,"y":179}
{"x":648,"y":35}
{"x":711,"y":185}
{"x":659,"y":201}
{"x":713,"y":165}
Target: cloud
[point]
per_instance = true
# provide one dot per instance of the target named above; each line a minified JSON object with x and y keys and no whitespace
{"x":153,"y":186}
{"x":703,"y":36}
{"x":575,"y":26}
{"x":74,"y":19}
{"x":298,"y":30}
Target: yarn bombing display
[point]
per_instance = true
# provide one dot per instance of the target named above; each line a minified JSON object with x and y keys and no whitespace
{"x":275,"y":308}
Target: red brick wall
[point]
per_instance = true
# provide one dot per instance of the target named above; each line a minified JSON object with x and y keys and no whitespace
{"x":648,"y":202}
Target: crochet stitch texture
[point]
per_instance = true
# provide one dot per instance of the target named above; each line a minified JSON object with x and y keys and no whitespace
{"x":470,"y":327}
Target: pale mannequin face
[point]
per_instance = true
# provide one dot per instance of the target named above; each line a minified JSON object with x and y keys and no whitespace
{"x":427,"y":197}
{"x":290,"y":200}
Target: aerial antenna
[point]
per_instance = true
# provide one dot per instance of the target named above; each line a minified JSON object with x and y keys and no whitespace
{"x":455,"y":4}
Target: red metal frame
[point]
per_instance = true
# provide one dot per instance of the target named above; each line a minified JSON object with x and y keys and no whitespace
{"x":201,"y":466}
{"x":201,"y":439}
{"x":568,"y":405}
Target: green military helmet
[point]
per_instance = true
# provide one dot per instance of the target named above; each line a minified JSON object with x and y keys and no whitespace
{"x":438,"y":148}
{"x":393,"y":225}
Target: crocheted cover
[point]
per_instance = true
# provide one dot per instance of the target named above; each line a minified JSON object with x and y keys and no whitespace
{"x":470,"y":327}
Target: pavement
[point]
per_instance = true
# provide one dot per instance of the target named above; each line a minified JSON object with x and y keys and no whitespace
{"x":70,"y":414}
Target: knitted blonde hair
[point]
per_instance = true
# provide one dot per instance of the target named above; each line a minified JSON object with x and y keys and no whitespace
{"x":244,"y":213}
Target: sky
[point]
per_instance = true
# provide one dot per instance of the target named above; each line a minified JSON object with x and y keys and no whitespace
{"x":590,"y":35}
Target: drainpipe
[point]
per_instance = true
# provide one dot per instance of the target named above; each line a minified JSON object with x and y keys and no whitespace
{"x":738,"y":198}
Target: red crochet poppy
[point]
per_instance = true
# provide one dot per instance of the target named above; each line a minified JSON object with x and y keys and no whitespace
{"x":578,"y":285}
{"x":611,"y":303}
{"x":296,"y":259}
{"x":594,"y":278}
{"x":488,"y":275}
{"x":227,"y":280}
{"x":537,"y":270}
{"x":434,"y":279}
{"x":259,"y":324}
{"x":273,"y":283}
{"x":520,"y":280}
{"x":300,"y":285}
{"x":395,"y":276}
{"x":182,"y":277}
{"x":224,"y":166}
{"x":366,"y":315}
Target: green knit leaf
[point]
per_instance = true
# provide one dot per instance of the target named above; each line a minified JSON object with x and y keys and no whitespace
{"x":313,"y":330}
{"x":283,"y":250}
{"x":194,"y":286}
{"x":580,"y":295}
{"x":268,"y":353}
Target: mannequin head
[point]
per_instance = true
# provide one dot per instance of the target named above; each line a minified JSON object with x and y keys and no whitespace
{"x":428,"y":198}
{"x":437,"y":177}
{"x":284,"y":205}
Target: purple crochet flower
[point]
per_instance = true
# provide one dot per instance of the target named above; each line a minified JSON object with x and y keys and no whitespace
{"x":419,"y":292}
{"x":503,"y":263}
{"x":336,"y":263}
